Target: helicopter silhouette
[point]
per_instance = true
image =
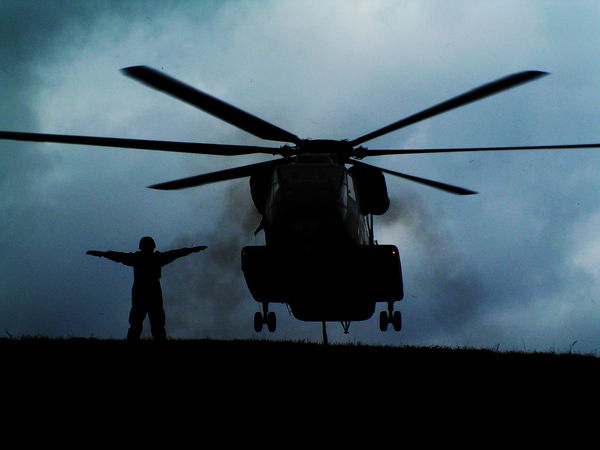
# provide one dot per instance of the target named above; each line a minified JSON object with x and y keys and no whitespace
{"x":320,"y":257}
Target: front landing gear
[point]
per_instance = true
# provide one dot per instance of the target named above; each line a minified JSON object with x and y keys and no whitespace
{"x":263,"y":318}
{"x":393,"y":317}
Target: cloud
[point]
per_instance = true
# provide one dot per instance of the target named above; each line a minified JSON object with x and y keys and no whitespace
{"x":516,"y":260}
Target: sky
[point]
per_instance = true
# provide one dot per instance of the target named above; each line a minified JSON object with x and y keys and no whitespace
{"x":516,"y":267}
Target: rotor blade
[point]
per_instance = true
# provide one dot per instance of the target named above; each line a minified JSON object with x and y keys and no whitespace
{"x":435,"y":184}
{"x":214,"y":177}
{"x":362,"y":152}
{"x":209,"y":104}
{"x":167,"y":146}
{"x":468,"y":97}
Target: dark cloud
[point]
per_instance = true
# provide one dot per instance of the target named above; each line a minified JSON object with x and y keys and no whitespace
{"x":518,"y":260}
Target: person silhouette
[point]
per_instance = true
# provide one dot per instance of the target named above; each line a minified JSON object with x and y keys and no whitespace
{"x":146,"y":293}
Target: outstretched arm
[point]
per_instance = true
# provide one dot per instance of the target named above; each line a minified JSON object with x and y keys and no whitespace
{"x":186,"y":251}
{"x":113,"y":256}
{"x":172,"y":255}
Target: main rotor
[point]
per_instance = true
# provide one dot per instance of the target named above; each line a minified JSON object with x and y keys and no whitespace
{"x":344,"y":151}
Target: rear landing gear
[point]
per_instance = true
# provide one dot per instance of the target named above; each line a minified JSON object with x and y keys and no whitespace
{"x":393,"y":317}
{"x":265,"y":318}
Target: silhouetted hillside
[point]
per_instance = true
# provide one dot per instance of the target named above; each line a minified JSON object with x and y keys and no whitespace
{"x":92,"y":384}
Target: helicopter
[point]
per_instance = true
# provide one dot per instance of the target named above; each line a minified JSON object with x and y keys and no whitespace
{"x":320,"y":256}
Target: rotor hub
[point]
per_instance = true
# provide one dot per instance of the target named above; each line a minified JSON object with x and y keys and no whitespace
{"x":324,"y":146}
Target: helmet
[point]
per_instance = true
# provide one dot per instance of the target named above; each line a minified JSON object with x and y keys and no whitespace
{"x":147,"y":243}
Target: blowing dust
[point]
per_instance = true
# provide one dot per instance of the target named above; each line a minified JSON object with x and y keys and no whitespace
{"x":203,"y":292}
{"x":441,"y":281}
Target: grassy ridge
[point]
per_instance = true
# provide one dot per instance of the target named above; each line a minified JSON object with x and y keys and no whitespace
{"x":296,"y":362}
{"x":264,"y":381}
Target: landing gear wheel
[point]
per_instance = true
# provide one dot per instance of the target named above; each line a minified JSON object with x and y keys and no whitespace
{"x":271,"y":322}
{"x":397,"y":321}
{"x":383,"y":321}
{"x":258,"y":322}
{"x":394,"y":318}
{"x":263,"y":318}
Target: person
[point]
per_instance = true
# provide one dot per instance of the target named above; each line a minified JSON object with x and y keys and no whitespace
{"x":146,"y":293}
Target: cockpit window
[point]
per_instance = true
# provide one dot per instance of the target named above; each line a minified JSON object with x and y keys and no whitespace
{"x":351,"y":188}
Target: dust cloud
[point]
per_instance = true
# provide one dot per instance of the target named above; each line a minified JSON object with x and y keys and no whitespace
{"x":439,"y":276}
{"x":203,"y":291}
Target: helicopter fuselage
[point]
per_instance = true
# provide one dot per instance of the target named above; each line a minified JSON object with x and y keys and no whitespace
{"x":320,"y":257}
{"x":313,"y":202}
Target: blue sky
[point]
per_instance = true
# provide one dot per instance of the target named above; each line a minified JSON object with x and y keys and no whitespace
{"x":515,"y":267}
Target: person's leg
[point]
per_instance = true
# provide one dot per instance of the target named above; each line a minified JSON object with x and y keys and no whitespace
{"x":136,"y":322}
{"x":157,"y":323}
